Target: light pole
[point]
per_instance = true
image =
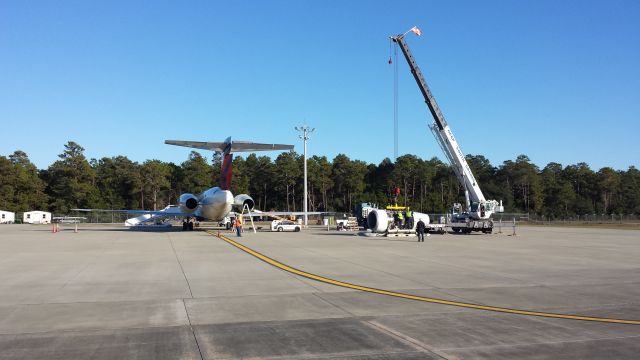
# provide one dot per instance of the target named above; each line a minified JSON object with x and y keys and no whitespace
{"x":305,"y":131}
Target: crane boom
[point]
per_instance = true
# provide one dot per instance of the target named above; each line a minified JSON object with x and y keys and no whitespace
{"x":442,"y":130}
{"x":448,"y":143}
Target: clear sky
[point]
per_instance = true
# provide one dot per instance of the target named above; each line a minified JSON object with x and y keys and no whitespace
{"x":555,"y":80}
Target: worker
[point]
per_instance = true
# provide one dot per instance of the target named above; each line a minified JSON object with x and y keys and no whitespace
{"x":238,"y":226}
{"x":409,"y":220}
{"x":420,"y":227}
{"x":400,"y":220}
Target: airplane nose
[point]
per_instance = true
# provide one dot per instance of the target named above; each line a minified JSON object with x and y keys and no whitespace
{"x":217,"y":204}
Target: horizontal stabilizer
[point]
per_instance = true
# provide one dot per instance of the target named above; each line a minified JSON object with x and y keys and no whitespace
{"x":236,"y":146}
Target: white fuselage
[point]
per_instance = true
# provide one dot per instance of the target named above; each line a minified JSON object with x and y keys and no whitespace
{"x":214,"y":204}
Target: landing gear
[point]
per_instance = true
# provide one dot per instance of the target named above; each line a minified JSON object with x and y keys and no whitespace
{"x":187,"y":225}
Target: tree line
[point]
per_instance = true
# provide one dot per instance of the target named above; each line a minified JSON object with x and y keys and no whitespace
{"x":555,"y":191}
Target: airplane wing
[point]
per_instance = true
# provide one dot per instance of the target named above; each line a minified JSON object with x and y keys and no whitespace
{"x":170,"y":211}
{"x":285,"y":213}
{"x":236,"y":146}
{"x":277,"y":213}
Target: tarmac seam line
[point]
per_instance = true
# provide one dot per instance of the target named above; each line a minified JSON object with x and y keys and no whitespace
{"x":334,"y":305}
{"x":416,"y":297}
{"x":543,"y":343}
{"x":181,"y":268}
{"x":419,"y":345}
{"x":195,"y":338}
{"x":85,"y":330}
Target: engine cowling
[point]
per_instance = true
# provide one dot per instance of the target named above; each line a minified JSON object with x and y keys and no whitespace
{"x":188,"y":203}
{"x":378,"y":220}
{"x":242,"y":200}
{"x":420,"y":216}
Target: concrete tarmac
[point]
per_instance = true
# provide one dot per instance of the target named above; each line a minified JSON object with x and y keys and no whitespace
{"x":111,"y":293}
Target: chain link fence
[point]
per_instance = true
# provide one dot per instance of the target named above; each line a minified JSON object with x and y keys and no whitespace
{"x":542,"y":219}
{"x":119,"y":218}
{"x":504,"y":217}
{"x":585,"y":219}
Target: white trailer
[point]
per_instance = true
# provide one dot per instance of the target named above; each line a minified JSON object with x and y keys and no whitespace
{"x":36,"y":217}
{"x":7,"y":217}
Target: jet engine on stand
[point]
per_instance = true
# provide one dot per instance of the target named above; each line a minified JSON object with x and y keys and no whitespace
{"x":383,"y":221}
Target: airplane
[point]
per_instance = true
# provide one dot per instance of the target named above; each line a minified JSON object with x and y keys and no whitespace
{"x":213,"y":204}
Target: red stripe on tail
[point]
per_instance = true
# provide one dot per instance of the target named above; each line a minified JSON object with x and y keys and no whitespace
{"x":225,"y":176}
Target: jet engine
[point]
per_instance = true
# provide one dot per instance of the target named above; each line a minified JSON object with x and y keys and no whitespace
{"x":378,"y":220}
{"x":188,"y":203}
{"x":242,"y":200}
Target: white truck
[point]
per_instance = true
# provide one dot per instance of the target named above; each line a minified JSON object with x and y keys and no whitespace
{"x":225,"y":222}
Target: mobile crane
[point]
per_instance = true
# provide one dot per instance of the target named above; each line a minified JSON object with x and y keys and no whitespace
{"x":477,"y":214}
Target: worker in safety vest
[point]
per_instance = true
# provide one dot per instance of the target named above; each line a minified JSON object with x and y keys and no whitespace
{"x":238,"y":226}
{"x":400,"y":220}
{"x":409,"y":221}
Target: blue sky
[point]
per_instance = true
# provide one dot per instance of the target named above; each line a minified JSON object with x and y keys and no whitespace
{"x":555,"y":80}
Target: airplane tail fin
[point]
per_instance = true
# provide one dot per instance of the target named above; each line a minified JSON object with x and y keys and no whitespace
{"x":227,"y":160}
